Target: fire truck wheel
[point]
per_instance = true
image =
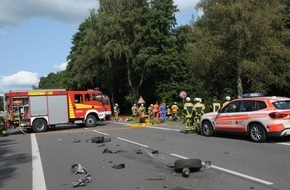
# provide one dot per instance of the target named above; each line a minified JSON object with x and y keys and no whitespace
{"x":39,"y":125}
{"x":91,"y":121}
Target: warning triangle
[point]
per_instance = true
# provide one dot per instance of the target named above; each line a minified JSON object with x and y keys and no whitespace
{"x":141,"y":100}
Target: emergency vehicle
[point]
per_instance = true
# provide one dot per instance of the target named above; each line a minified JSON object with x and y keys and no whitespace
{"x":257,"y":117}
{"x":107,"y":106}
{"x":37,"y":110}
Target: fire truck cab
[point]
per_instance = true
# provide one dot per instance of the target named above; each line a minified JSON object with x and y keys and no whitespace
{"x":39,"y":109}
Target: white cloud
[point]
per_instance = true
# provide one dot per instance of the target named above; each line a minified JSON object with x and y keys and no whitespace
{"x":20,"y":79}
{"x":61,"y":67}
{"x":13,"y":12}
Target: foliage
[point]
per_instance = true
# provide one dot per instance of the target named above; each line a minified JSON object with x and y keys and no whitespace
{"x":130,"y":48}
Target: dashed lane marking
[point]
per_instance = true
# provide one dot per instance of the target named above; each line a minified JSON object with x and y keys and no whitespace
{"x":231,"y":172}
{"x":100,"y":132}
{"x":132,"y":142}
{"x":288,"y":144}
{"x":162,"y":128}
{"x":38,"y":181}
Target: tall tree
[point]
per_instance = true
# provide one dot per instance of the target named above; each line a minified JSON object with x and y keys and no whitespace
{"x":240,"y":43}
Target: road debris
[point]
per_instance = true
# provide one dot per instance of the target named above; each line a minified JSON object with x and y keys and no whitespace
{"x":155,"y":152}
{"x":78,"y":169}
{"x":100,"y":139}
{"x":85,"y":177}
{"x":119,"y":166}
{"x":139,"y":152}
{"x":106,"y":150}
{"x":185,"y":166}
{"x":83,"y":181}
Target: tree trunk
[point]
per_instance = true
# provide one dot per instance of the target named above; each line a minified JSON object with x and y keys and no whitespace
{"x":239,"y":83}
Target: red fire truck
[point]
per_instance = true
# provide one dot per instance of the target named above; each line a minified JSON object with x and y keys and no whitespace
{"x":37,"y":110}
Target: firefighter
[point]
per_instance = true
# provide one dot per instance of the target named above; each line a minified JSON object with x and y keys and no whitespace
{"x":134,"y":110}
{"x":188,"y":114}
{"x":116,"y":111}
{"x":174,"y":110}
{"x":199,"y":111}
{"x":168,"y":112}
{"x":215,"y":104}
{"x":142,"y":110}
{"x":150,"y":111}
{"x":228,"y":99}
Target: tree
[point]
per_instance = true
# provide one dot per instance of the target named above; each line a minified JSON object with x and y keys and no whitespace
{"x":240,"y":43}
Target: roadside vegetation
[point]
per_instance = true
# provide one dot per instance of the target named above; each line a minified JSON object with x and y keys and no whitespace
{"x":129,"y":48}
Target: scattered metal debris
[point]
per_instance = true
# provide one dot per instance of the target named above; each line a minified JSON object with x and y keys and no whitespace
{"x":78,"y":169}
{"x":139,"y":152}
{"x":119,"y":166}
{"x":83,"y":181}
{"x":100,"y":139}
{"x":77,"y":141}
{"x":85,"y":177}
{"x":185,"y":166}
{"x":155,"y":152}
{"x":106,"y":150}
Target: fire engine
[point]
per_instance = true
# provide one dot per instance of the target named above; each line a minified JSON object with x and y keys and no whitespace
{"x":37,"y":110}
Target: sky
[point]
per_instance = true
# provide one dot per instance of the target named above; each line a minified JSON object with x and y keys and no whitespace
{"x":36,"y":36}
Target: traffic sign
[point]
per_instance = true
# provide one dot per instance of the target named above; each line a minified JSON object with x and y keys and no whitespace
{"x":183,"y":94}
{"x":141,"y":100}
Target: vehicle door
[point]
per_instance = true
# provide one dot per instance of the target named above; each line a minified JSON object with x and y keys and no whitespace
{"x":243,"y":115}
{"x":224,"y":120}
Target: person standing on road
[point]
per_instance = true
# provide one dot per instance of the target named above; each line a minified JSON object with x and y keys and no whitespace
{"x":150,"y":111}
{"x":116,"y":111}
{"x":228,"y":99}
{"x":199,"y":111}
{"x":163,"y":112}
{"x":156,"y":111}
{"x":142,"y":110}
{"x":188,"y":114}
{"x":134,"y":110}
{"x":174,"y":110}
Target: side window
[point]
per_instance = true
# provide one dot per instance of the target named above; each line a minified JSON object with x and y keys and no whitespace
{"x":78,"y":98}
{"x":231,"y":107}
{"x":248,"y":105}
{"x":97,"y":97}
{"x":261,"y":105}
{"x":87,"y":97}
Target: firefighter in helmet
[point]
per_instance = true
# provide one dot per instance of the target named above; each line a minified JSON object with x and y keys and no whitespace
{"x":134,"y":110}
{"x":188,"y":114}
{"x":228,"y":99}
{"x":116,"y":111}
{"x":199,"y":111}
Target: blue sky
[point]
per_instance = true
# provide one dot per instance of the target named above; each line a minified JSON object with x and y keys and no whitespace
{"x":35,"y":36}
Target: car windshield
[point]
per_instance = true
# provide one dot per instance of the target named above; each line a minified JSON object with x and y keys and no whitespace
{"x":282,"y":104}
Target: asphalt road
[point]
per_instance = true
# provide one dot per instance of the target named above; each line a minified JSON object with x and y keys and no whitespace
{"x":147,"y":155}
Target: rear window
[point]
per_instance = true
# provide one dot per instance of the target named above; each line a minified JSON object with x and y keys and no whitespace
{"x":283,"y":105}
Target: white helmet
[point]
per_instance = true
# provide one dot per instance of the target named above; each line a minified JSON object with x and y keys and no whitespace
{"x":187,"y":99}
{"x":199,"y":100}
{"x":195,"y":99}
{"x":228,"y":98}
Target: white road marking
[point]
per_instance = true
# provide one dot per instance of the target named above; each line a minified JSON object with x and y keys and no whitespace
{"x":100,"y":132}
{"x":231,"y":172}
{"x":162,"y":128}
{"x":288,"y":144}
{"x":179,"y":156}
{"x":38,"y":181}
{"x":132,"y":142}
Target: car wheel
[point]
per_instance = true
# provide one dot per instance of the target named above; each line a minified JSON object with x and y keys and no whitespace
{"x":91,"y":121}
{"x":257,"y":133}
{"x":191,"y":164}
{"x":39,"y":125}
{"x":206,"y":128}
